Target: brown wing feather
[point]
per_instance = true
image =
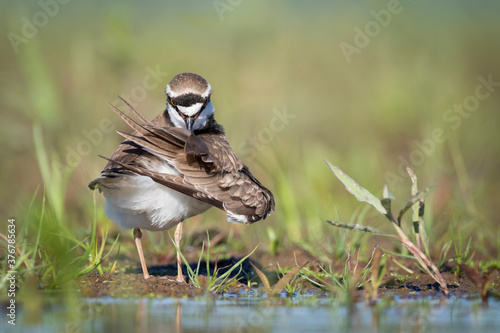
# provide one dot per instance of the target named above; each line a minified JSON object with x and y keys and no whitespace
{"x":172,"y":181}
{"x":211,"y":171}
{"x":137,"y":113}
{"x":230,"y":180}
{"x":127,"y":152}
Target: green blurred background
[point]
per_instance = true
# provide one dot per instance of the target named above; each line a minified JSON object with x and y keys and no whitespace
{"x":367,"y":112}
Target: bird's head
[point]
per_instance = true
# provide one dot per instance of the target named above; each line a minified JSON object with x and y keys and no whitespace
{"x":188,"y":101}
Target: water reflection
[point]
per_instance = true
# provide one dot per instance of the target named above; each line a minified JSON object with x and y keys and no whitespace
{"x":256,"y":314}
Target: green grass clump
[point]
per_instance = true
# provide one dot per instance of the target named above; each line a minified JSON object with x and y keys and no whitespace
{"x":46,"y":249}
{"x":419,"y":245}
{"x":216,"y":282}
{"x":288,"y":280}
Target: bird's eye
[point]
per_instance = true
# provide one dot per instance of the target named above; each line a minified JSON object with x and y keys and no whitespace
{"x":172,"y":102}
{"x":206,"y":102}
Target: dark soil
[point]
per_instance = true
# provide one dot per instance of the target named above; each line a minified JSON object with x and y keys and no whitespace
{"x":162,"y":283}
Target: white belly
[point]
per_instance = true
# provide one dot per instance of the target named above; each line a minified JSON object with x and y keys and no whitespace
{"x":139,"y":202}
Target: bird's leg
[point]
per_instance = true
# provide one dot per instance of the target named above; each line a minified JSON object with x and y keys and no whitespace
{"x":178,"y":237}
{"x":137,"y":239}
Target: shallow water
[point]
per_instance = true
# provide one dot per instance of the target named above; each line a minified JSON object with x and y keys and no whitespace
{"x":258,"y":314}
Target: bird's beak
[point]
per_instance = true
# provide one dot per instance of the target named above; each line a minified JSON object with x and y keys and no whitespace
{"x":189,"y":123}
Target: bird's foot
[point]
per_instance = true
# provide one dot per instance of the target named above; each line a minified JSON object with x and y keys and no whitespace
{"x":181,"y":279}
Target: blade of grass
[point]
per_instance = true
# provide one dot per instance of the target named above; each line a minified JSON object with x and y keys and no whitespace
{"x":192,"y":276}
{"x":355,"y":189}
{"x":359,"y":227}
{"x":426,"y":264}
{"x":280,"y":285}
{"x":39,"y":233}
{"x":413,"y":200}
{"x":263,"y":278}
{"x":228,"y":272}
{"x":415,"y":207}
{"x":199,"y":259}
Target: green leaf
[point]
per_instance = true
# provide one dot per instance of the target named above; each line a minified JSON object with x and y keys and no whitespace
{"x":397,"y":254}
{"x":414,"y":191}
{"x":359,"y":227}
{"x":386,"y":202}
{"x":355,"y":189}
{"x":413,"y":199}
{"x":386,"y":194}
{"x":263,"y":278}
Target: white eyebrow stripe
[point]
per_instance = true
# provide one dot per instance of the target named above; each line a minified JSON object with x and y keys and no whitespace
{"x":204,"y":94}
{"x":170,"y":92}
{"x":207,"y":91}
